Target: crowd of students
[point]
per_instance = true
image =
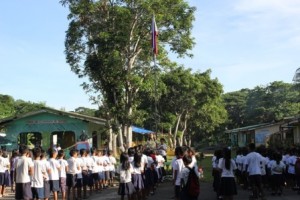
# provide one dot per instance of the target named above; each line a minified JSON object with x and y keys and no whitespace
{"x":142,"y":169}
{"x":258,"y":169}
{"x":37,"y":173}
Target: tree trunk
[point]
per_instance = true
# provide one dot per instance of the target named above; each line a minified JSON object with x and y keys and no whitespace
{"x":110,"y":140}
{"x":176,"y":130}
{"x":120,"y":139}
{"x":183,"y":132}
{"x":114,"y":144}
{"x":171,"y":144}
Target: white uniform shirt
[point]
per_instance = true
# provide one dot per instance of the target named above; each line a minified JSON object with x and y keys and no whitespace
{"x":253,"y":160}
{"x":277,"y":168}
{"x":39,"y":169}
{"x":113,"y":162}
{"x":63,"y":164}
{"x":79,"y":169}
{"x":291,"y":164}
{"x":226,"y":172}
{"x":23,"y":164}
{"x":106,"y":163}
{"x":125,"y":175}
{"x":178,"y":166}
{"x":160,"y":161}
{"x":47,"y":167}
{"x":96,"y":167}
{"x":73,"y":165}
{"x":54,"y":165}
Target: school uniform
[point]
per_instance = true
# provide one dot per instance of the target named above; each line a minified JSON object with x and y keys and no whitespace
{"x":253,"y":160}
{"x":85,"y":173}
{"x":37,"y":181}
{"x":178,"y":166}
{"x":277,"y":170}
{"x":79,"y":172}
{"x":46,"y":184}
{"x":125,"y":187}
{"x":137,"y":178}
{"x":5,"y":179}
{"x":54,"y":175}
{"x":23,"y":184}
{"x":227,"y":183}
{"x":106,"y":164}
{"x":63,"y":175}
{"x":184,"y":175}
{"x":95,"y":169}
{"x":71,"y":173}
{"x":112,"y":168}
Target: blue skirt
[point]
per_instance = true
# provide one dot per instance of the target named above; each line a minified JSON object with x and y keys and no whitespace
{"x":126,"y":189}
{"x":138,"y":181}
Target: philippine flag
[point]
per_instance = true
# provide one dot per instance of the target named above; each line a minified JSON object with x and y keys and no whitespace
{"x":154,"y":36}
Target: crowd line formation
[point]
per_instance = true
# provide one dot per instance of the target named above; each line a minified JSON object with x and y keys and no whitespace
{"x":258,"y":169}
{"x":39,"y":174}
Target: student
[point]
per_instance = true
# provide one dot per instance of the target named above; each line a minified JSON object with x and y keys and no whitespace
{"x":137,"y":178}
{"x":73,"y":166}
{"x":184,"y":175}
{"x":227,"y":167}
{"x":54,"y":175}
{"x":218,"y":154}
{"x":101,"y":169}
{"x":95,"y":169}
{"x":177,"y":167}
{"x":112,"y":168}
{"x":277,"y":170}
{"x":13,"y":159}
{"x":37,"y":182}
{"x":62,"y":173}
{"x":106,"y":168}
{"x":125,"y":169}
{"x":79,"y":176}
{"x":85,"y":174}
{"x":23,"y":171}
{"x":46,"y":165}
{"x":6,"y":181}
{"x":253,"y":167}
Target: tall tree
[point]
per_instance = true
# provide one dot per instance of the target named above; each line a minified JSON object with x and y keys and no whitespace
{"x":109,"y":42}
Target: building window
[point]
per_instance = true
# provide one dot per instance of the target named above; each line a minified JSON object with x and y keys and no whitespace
{"x":30,"y":139}
{"x":64,"y":138}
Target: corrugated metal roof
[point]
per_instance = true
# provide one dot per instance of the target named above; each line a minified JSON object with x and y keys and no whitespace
{"x":95,"y":120}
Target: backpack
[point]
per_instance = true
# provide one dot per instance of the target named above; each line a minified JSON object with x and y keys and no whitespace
{"x":192,"y":186}
{"x":297,"y":166}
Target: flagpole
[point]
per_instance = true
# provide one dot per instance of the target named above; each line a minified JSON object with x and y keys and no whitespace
{"x":155,"y":52}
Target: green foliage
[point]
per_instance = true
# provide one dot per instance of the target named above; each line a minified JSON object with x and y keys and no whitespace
{"x":109,"y":42}
{"x":10,"y":107}
{"x":262,"y":104}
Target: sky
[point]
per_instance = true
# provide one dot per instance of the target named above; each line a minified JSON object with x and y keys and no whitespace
{"x":244,"y":43}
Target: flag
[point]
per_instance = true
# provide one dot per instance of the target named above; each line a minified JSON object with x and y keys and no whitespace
{"x":154,"y":36}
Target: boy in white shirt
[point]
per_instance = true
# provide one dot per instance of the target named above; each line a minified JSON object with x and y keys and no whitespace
{"x":95,"y":169}
{"x":177,"y":167}
{"x":73,"y":166}
{"x":54,"y":175}
{"x":62,"y":173}
{"x":106,"y":168}
{"x":37,"y":184}
{"x":112,"y":167}
{"x":23,"y":169}
{"x":46,"y":165}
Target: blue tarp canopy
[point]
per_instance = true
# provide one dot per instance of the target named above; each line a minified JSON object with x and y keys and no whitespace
{"x":140,"y":130}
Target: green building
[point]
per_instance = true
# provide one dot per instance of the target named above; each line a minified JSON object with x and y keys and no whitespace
{"x":48,"y":127}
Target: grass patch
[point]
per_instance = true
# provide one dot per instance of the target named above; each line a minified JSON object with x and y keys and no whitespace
{"x":206,"y":165}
